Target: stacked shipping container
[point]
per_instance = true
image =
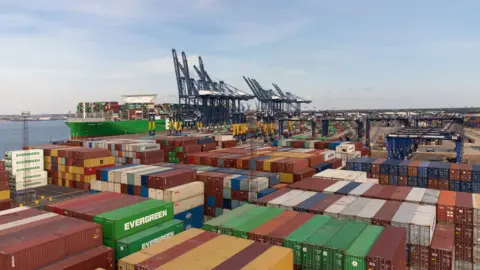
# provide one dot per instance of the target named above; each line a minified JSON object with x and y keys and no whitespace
{"x":5,"y":201}
{"x":26,"y":169}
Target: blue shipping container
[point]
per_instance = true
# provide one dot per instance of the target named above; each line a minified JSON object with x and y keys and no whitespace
{"x":310,"y":202}
{"x":466,"y":187}
{"x":394,"y":166}
{"x":412,"y":181}
{"x":393,"y":180}
{"x":454,"y":185}
{"x":265,"y":192}
{"x":403,"y":168}
{"x":423,"y":169}
{"x":227,"y":203}
{"x":475,"y":173}
{"x":211,"y":201}
{"x":367,"y":164}
{"x":192,"y":218}
{"x":323,"y":166}
{"x":476,"y":187}
{"x":236,"y":182}
{"x":347,"y":188}
{"x":422,"y":182}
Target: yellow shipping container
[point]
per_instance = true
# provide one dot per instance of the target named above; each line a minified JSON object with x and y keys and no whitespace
{"x":47,"y":159}
{"x":49,"y":179}
{"x":129,"y":262}
{"x":48,"y":166}
{"x":286,"y":178}
{"x":61,"y":168}
{"x":278,"y":258}
{"x":66,"y":183}
{"x":268,"y":162}
{"x":4,"y":194}
{"x":69,"y":176}
{"x":96,"y":162}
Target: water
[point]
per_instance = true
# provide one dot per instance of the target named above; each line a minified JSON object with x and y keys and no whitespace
{"x":40,"y":132}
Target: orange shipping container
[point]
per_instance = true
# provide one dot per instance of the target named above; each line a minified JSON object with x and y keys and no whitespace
{"x":446,"y":207}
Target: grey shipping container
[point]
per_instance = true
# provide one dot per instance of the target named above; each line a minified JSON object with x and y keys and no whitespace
{"x":431,"y":197}
{"x":404,"y":216}
{"x":370,"y":210}
{"x":351,"y":211}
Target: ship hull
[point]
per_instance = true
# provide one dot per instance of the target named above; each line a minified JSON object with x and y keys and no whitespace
{"x":111,"y":128}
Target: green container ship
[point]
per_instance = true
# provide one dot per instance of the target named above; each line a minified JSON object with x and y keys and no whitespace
{"x":87,"y":129}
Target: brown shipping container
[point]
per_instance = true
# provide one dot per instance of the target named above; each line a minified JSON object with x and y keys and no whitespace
{"x":240,"y":195}
{"x":373,"y":192}
{"x":443,"y":184}
{"x":243,"y":258}
{"x":466,"y":172}
{"x":446,"y":207}
{"x":264,"y":200}
{"x":388,"y":252}
{"x":277,"y":236}
{"x":419,"y":256}
{"x":413,"y":167}
{"x":464,"y":209}
{"x":303,"y":174}
{"x":2,"y":165}
{"x":324,"y":204}
{"x":259,"y":234}
{"x":171,"y":178}
{"x":313,"y":184}
{"x":386,"y":192}
{"x":376,"y":165}
{"x":37,"y":247}
{"x":401,"y":194}
{"x":295,"y":164}
{"x":11,"y":217}
{"x":464,"y":243}
{"x":442,"y":248}
{"x":99,"y":257}
{"x":4,"y":176}
{"x":384,"y":179}
{"x":384,"y":216}
{"x":61,"y":207}
{"x":403,"y":181}
{"x":454,"y":173}
{"x":433,"y":184}
{"x":30,"y":225}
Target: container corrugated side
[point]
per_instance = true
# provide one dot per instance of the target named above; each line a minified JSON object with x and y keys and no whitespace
{"x":296,"y":238}
{"x":283,"y":198}
{"x":290,"y":204}
{"x":352,"y":210}
{"x":404,"y":216}
{"x":312,"y":247}
{"x":134,"y":218}
{"x":334,"y":250}
{"x":389,"y":251}
{"x":228,"y":226}
{"x":476,"y":209}
{"x":187,"y":204}
{"x":358,"y":191}
{"x":359,"y":249}
{"x":370,"y":210}
{"x":117,"y":174}
{"x":335,"y":209}
{"x":422,"y":225}
{"x":212,"y":225}
{"x":96,"y":258}
{"x":130,"y":174}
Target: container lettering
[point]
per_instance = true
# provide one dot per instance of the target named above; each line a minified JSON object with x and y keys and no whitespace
{"x":144,"y":220}
{"x":156,"y":240}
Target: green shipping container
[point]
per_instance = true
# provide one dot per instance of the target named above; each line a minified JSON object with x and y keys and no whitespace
{"x":296,"y":238}
{"x":246,"y":227}
{"x":230,"y":226}
{"x":359,"y":249}
{"x":334,"y":250}
{"x":212,"y":225}
{"x":312,"y":247}
{"x":131,"y":219}
{"x":146,"y":238}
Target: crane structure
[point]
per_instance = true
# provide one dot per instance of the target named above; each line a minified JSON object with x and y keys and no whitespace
{"x":207,"y":102}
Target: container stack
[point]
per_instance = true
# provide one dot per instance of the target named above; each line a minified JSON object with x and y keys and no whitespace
{"x":199,"y":249}
{"x":176,"y":149}
{"x":26,"y":168}
{"x":127,"y":151}
{"x":45,"y":242}
{"x":5,"y":201}
{"x":318,"y":242}
{"x":225,"y":141}
{"x":128,"y":223}
{"x":188,"y":203}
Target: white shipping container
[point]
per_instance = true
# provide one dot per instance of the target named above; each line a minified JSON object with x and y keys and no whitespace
{"x":370,"y":210}
{"x":290,"y":204}
{"x":183,"y":192}
{"x":423,"y":225}
{"x":476,"y":209}
{"x":17,"y":223}
{"x":346,"y":175}
{"x":345,"y":148}
{"x":335,"y":209}
{"x":416,"y":195}
{"x":372,"y":181}
{"x":30,"y":176}
{"x":22,"y":162}
{"x":358,"y":191}
{"x":117,"y":188}
{"x":404,"y":217}
{"x":227,"y":181}
{"x":152,"y":193}
{"x":110,"y":187}
{"x":476,"y":236}
{"x":124,"y":175}
{"x":252,"y":196}
{"x":328,"y":155}
{"x":23,"y":154}
{"x":335,"y":187}
{"x":117,"y":174}
{"x":187,"y":204}
{"x":159,"y":194}
{"x":39,"y":182}
{"x":104,"y":186}
{"x":257,"y":184}
{"x":222,"y":138}
{"x":111,"y":173}
{"x":96,"y":185}
{"x":351,"y":211}
{"x":431,"y":196}
{"x":285,"y":197}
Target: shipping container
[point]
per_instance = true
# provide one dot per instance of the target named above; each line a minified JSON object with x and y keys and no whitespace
{"x":400,"y":194}
{"x":96,"y":258}
{"x":293,"y":202}
{"x":285,"y":197}
{"x":249,"y":219}
{"x":278,"y":236}
{"x":259,"y":233}
{"x":404,"y":217}
{"x":370,"y":210}
{"x":422,"y":225}
{"x":446,"y":207}
{"x":416,"y":195}
{"x":476,"y":209}
{"x":352,"y":210}
{"x":263,"y":201}
{"x":333,"y":253}
{"x":336,"y":208}
{"x":360,"y":190}
{"x":128,"y":220}
{"x":310,"y":202}
{"x":296,"y":239}
{"x":359,"y":249}
{"x":388,"y":252}
{"x":442,"y":248}
{"x":463,"y":209}
{"x":384,"y":216}
{"x":212,"y":225}
{"x":431,"y":197}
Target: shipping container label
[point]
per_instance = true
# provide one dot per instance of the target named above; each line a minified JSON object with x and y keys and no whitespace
{"x":144,"y":220}
{"x":35,"y":168}
{"x":27,"y":154}
{"x":156,"y":240}
{"x":22,"y":162}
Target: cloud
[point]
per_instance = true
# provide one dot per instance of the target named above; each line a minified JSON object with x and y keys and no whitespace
{"x":16,"y":20}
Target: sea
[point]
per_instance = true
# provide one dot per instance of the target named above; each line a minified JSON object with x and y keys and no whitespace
{"x":40,"y":132}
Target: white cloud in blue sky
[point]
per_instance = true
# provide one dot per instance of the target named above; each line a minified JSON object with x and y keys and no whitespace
{"x":342,"y":54}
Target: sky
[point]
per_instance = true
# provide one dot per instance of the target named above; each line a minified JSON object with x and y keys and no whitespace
{"x":340,"y":54}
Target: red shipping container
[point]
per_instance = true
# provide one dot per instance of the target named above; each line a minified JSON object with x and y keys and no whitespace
{"x":419,"y":256}
{"x":264,"y":200}
{"x":324,"y":204}
{"x":384,"y":216}
{"x":99,"y":257}
{"x":446,"y":207}
{"x":4,"y":176}
{"x":433,"y":184}
{"x":209,"y":147}
{"x":171,"y":178}
{"x":388,"y":252}
{"x":401,"y":194}
{"x":464,"y":209}
{"x":240,"y":195}
{"x":303,"y":174}
{"x":209,"y":211}
{"x":413,"y":167}
{"x":336,"y":163}
{"x":376,"y":165}
{"x":313,"y":184}
{"x":4,"y":185}
{"x":2,"y":165}
{"x":259,"y":234}
{"x":6,"y":204}
{"x":466,"y":172}
{"x":403,"y":181}
{"x":443,"y":184}
{"x":464,"y":243}
{"x":373,"y":191}
{"x":277,"y":236}
{"x":386,"y":192}
{"x":442,"y":249}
